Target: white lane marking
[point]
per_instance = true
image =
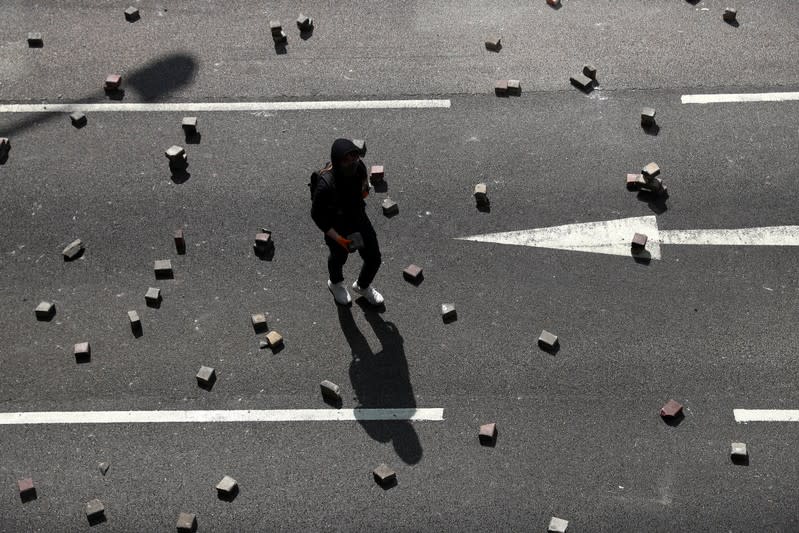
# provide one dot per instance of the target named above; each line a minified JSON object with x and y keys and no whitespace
{"x":741,"y":97}
{"x":766,"y":236}
{"x":614,"y":236}
{"x":268,"y":415}
{"x":766,"y":415}
{"x":227,"y":106}
{"x":605,"y":237}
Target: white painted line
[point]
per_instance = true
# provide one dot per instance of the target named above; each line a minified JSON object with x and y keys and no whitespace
{"x":766,"y":415}
{"x":270,"y":415}
{"x":741,"y":97}
{"x":605,"y":237}
{"x":226,"y":106}
{"x":614,"y":236}
{"x":767,"y":236}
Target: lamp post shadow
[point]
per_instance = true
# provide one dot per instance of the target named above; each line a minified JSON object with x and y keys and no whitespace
{"x":381,"y":380}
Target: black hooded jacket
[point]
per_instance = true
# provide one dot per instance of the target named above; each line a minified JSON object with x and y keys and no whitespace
{"x":338,"y":201}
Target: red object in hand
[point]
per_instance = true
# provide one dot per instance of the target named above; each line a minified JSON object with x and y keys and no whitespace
{"x":344,"y":242}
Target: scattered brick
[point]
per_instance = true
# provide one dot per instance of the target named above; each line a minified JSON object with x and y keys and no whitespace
{"x":153,"y":296}
{"x":132,"y":14}
{"x":78,"y":119}
{"x":275,"y":27}
{"x":103,"y":467}
{"x":112,"y":81}
{"x":590,"y":71}
{"x":35,"y":40}
{"x":413,"y":274}
{"x":730,"y":15}
{"x":634,"y":181}
{"x":280,"y":38}
{"x":639,"y":242}
{"x":330,"y":392}
{"x":206,"y":377}
{"x":514,"y":87}
{"x":175,"y":153}
{"x":647,"y":117}
{"x":553,"y":3}
{"x":227,"y":488}
{"x":45,"y":311}
{"x":259,"y":322}
{"x":83,"y":352}
{"x":189,"y":124}
{"x":481,"y":194}
{"x":547,"y":340}
{"x":274,"y":339}
{"x":582,"y":82}
{"x":73,"y":249}
{"x":390,"y":207}
{"x":501,"y":87}
{"x":448,"y":313}
{"x":304,"y":23}
{"x":163,"y":268}
{"x":672,"y":409}
{"x":738,"y":451}
{"x":650,"y":171}
{"x":27,"y":491}
{"x":187,"y":523}
{"x":557,"y":525}
{"x":135,"y":322}
{"x":488,"y":434}
{"x":493,"y":44}
{"x":263,"y":242}
{"x":95,"y":509}
{"x":180,"y":242}
{"x":357,"y":241}
{"x":5,"y":146}
{"x":384,"y":475}
{"x":361,"y":145}
{"x":376,"y":174}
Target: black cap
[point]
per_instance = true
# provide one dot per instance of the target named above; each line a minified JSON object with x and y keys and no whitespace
{"x":340,"y":148}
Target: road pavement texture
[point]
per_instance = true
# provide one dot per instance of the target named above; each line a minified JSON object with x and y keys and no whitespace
{"x":579,"y":431}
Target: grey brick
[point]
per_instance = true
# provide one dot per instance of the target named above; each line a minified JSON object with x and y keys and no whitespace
{"x":73,"y":249}
{"x":501,"y":87}
{"x":647,"y":117}
{"x":481,"y":194}
{"x":175,"y":153}
{"x":227,"y":488}
{"x":738,"y":451}
{"x":153,"y":296}
{"x":27,"y":491}
{"x":330,"y":392}
{"x":35,"y":39}
{"x":730,"y":15}
{"x":83,"y":352}
{"x":448,"y":313}
{"x":488,"y":434}
{"x":187,"y":523}
{"x":94,"y":509}
{"x":132,"y":14}
{"x":671,"y":409}
{"x":206,"y":377}
{"x":582,"y":82}
{"x":135,"y":322}
{"x":180,"y":242}
{"x":163,"y":268}
{"x":258,"y":321}
{"x":514,"y":87}
{"x":547,"y":340}
{"x":113,"y":81}
{"x":275,"y":27}
{"x":304,"y":23}
{"x":189,"y":124}
{"x":384,"y":475}
{"x":390,"y":207}
{"x":45,"y":311}
{"x":78,"y":119}
{"x":651,"y":170}
{"x":263,"y":242}
{"x":639,"y":242}
{"x":557,"y":525}
{"x":413,"y":274}
{"x":274,"y":339}
{"x":493,"y":44}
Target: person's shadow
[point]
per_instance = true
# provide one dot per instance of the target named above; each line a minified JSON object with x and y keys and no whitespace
{"x":381,"y":380}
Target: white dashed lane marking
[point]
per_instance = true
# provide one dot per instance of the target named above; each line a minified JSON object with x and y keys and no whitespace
{"x":740,"y":97}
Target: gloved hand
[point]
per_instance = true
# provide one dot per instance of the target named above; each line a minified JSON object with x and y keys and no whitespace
{"x":345,"y":243}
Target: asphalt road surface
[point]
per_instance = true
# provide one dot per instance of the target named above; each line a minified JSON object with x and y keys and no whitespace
{"x":580,"y":436}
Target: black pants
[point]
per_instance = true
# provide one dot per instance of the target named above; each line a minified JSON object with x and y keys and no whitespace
{"x":370,"y":253}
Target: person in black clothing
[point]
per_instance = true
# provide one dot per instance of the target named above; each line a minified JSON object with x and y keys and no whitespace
{"x":339,"y":209}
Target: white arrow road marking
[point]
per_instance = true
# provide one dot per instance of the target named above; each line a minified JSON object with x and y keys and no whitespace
{"x":614,"y":236}
{"x":766,"y":415}
{"x":227,"y":106}
{"x":271,"y":415}
{"x":741,"y":97}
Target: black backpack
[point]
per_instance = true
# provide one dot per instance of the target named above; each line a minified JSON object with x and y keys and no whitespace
{"x":323,"y":173}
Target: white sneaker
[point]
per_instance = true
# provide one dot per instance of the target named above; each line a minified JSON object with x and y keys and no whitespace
{"x":371,"y":295}
{"x":340,"y":293}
